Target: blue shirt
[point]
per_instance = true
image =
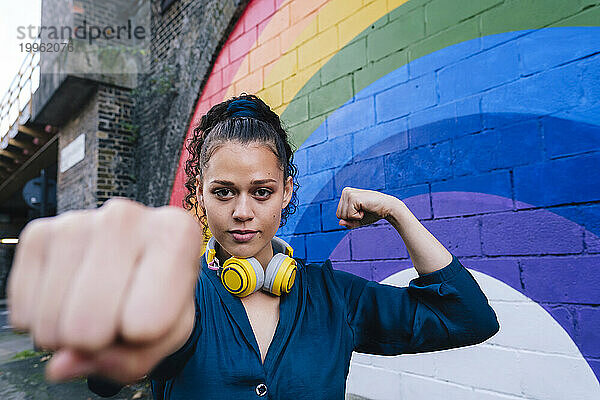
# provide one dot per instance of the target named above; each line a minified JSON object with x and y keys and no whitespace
{"x":327,"y":315}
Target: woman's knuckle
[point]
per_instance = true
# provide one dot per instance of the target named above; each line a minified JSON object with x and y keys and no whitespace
{"x":35,"y":229}
{"x":70,"y":223}
{"x":190,"y":225}
{"x":119,"y":212}
{"x":121,"y":204}
{"x":173,"y":222}
{"x":44,"y":340}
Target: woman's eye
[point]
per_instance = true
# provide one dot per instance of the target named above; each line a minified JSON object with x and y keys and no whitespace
{"x":221,"y":192}
{"x":263,"y":192}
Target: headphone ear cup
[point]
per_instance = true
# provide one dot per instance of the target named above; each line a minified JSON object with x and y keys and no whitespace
{"x":280,"y":274}
{"x":210,"y":251}
{"x":242,"y":276}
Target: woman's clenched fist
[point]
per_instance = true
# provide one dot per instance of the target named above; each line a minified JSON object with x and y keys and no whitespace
{"x":110,"y":290}
{"x":360,"y":207}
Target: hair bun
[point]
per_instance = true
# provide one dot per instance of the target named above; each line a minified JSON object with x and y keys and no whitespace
{"x":243,"y":108}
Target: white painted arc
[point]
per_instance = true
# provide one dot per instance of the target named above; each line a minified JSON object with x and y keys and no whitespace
{"x":532,"y":357}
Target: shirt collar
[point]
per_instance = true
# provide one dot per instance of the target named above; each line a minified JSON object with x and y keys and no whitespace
{"x":288,"y":306}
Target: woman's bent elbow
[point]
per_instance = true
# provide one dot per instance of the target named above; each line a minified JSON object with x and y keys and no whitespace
{"x":485,"y":327}
{"x":481,"y":328}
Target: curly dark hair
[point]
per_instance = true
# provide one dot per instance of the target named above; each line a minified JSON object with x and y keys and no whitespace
{"x":248,"y":119}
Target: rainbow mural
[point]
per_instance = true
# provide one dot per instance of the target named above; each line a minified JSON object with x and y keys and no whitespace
{"x":484,"y":117}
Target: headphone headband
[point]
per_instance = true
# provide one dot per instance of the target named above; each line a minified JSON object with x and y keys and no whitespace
{"x":279,"y":246}
{"x":243,"y":276}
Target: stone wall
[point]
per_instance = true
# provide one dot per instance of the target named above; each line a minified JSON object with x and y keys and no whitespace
{"x":185,"y":41}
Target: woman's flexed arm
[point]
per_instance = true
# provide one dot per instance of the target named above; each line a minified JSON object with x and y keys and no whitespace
{"x":443,"y":308}
{"x":359,"y":207}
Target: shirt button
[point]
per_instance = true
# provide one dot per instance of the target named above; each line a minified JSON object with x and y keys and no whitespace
{"x":261,"y":389}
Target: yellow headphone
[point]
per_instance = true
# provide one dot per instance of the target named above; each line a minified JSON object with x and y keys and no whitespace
{"x":244,"y":276}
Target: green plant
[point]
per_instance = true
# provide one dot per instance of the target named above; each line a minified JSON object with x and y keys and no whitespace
{"x":131,"y":129}
{"x":28,"y":354}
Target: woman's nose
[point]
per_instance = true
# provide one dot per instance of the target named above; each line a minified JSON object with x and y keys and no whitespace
{"x":243,"y":210}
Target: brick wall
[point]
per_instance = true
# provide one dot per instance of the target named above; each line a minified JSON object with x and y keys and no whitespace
{"x":107,"y":169}
{"x":481,"y":116}
{"x":75,"y":187}
{"x":116,"y":137}
{"x":105,"y":118}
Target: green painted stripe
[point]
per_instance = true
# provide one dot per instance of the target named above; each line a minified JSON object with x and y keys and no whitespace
{"x":413,"y":30}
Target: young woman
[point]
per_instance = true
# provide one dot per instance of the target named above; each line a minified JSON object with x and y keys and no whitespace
{"x":267,"y":325}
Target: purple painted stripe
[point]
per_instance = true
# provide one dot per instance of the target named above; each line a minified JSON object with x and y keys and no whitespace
{"x":535,"y":232}
{"x":388,"y":243}
{"x":562,"y":279}
{"x":452,"y":204}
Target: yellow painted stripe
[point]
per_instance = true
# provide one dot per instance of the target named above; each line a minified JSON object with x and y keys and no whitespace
{"x":337,"y":23}
{"x":322,"y":35}
{"x":252,"y":81}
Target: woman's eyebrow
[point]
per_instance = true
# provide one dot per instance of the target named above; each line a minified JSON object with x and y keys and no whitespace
{"x":262,"y":181}
{"x":254,"y":182}
{"x":224,"y":183}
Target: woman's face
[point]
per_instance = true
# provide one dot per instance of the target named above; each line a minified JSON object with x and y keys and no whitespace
{"x":243,"y":190}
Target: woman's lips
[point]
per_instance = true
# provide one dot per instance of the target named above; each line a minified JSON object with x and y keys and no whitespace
{"x":243,"y":237}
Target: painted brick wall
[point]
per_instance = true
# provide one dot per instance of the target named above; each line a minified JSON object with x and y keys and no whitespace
{"x":484,"y":118}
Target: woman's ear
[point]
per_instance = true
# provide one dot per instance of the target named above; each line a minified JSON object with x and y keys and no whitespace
{"x":288,"y":189}
{"x":199,"y":192}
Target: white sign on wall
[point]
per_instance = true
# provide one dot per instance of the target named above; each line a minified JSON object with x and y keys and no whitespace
{"x":72,"y":153}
